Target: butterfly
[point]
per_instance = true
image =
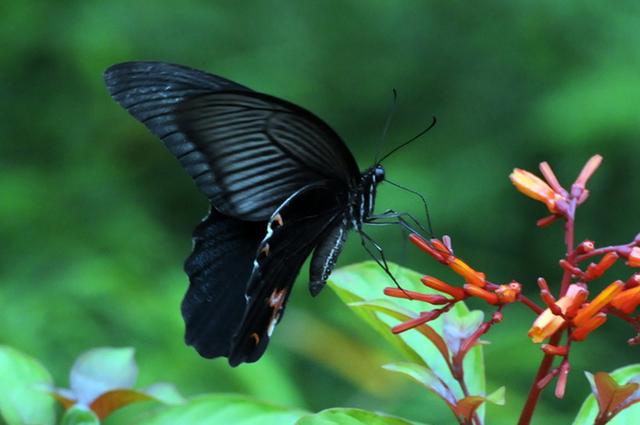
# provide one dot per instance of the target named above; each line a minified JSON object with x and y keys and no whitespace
{"x":282,"y":185}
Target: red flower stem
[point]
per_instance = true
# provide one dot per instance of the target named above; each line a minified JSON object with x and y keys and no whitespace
{"x":457,"y":365}
{"x":530,"y":303}
{"x":547,"y":360}
{"x":465,"y":391}
{"x":603,"y":251}
{"x":547,"y":379}
{"x":534,"y":393}
{"x":569,"y":241}
{"x":475,"y":420}
{"x":602,"y":418}
{"x":631,"y":320}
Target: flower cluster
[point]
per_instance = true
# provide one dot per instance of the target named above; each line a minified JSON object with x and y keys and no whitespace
{"x":576,"y":307}
{"x":573,"y":310}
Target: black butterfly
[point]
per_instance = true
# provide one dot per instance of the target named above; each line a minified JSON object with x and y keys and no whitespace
{"x":282,"y":186}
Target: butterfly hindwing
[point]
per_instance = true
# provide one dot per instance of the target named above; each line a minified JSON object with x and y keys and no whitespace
{"x":295,"y":229}
{"x":218,"y":268}
{"x":246,"y":151}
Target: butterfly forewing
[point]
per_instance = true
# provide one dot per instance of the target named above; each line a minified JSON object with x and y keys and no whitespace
{"x":246,"y":151}
{"x":261,"y":150}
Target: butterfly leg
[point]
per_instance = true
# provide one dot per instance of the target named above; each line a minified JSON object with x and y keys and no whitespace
{"x":398,"y":218}
{"x":419,"y":195}
{"x":382,"y":261}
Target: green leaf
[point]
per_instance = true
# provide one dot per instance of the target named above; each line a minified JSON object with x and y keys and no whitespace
{"x":224,"y":409}
{"x":425,"y":377}
{"x":468,"y":406}
{"x":100,"y":370}
{"x":498,"y":397}
{"x":102,"y":379}
{"x":589,"y":410}
{"x":164,"y":392}
{"x":397,"y":312}
{"x":79,"y":416}
{"x":458,"y":328}
{"x":346,"y":416}
{"x":350,"y":284}
{"x":23,"y":390}
{"x":361,"y":287}
{"x":473,"y":362}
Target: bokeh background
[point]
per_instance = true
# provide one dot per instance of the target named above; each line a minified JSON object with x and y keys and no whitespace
{"x":96,"y":216}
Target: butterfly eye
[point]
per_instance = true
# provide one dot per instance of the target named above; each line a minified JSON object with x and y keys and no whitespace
{"x":379,"y":173}
{"x":276,"y":221}
{"x":264,"y":251}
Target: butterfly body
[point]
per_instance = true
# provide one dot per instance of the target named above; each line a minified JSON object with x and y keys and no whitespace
{"x":282,"y":186}
{"x":363,"y":196}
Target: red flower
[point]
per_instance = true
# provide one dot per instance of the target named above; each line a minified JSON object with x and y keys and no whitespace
{"x":547,"y":323}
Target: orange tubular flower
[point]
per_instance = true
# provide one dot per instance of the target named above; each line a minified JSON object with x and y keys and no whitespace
{"x":418,"y":296}
{"x":627,"y":301}
{"x":544,"y":326}
{"x":580,"y":333}
{"x":578,"y":300}
{"x":555,"y":350}
{"x":587,"y":171}
{"x":441,"y":286}
{"x":634,"y":257}
{"x":470,"y":275}
{"x":428,"y":247}
{"x":548,"y":323}
{"x":594,"y":271}
{"x":598,"y":303}
{"x":536,"y":188}
{"x":441,"y":247}
{"x":477,"y":291}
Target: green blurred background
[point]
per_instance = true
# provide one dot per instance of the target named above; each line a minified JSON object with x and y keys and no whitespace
{"x":96,"y":216}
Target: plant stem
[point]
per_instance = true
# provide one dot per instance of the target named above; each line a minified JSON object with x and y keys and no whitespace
{"x":571,"y":254}
{"x":631,"y":320}
{"x":530,"y":303}
{"x":463,"y":386}
{"x":604,"y":250}
{"x":601,"y":420}
{"x":547,"y":360}
{"x":534,"y":392}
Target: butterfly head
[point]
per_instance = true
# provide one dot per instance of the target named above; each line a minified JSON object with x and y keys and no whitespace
{"x":378,"y":173}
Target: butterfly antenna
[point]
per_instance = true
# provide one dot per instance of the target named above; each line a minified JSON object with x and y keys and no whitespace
{"x":416,"y":137}
{"x":419,"y":195}
{"x":391,"y":111}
